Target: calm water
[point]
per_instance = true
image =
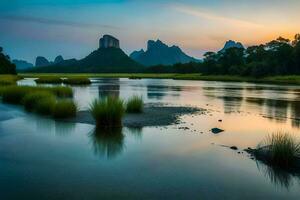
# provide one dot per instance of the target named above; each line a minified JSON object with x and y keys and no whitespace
{"x":44,"y":159}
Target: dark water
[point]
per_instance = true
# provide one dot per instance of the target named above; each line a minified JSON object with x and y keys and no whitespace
{"x":44,"y":159}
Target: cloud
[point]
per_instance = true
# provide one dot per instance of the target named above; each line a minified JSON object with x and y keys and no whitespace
{"x":214,"y":17}
{"x":55,"y":22}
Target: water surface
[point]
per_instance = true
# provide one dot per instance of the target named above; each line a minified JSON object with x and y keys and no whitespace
{"x":44,"y":159}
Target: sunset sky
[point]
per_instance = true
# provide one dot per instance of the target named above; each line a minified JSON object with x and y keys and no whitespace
{"x":72,"y":27}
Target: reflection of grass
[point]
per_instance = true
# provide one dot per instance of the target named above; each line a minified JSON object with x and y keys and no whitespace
{"x":49,"y":79}
{"x":283,"y":149}
{"x":45,"y":106}
{"x":64,"y":109}
{"x":77,"y":81}
{"x":108,"y":112}
{"x":135,"y":104}
{"x":108,"y":142}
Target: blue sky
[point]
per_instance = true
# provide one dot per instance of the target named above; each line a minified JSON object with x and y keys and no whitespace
{"x":72,"y":27}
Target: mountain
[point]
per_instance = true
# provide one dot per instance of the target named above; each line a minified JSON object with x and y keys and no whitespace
{"x":231,"y":44}
{"x":107,"y":58}
{"x":41,"y":61}
{"x":22,"y":64}
{"x":58,"y":59}
{"x":158,"y":53}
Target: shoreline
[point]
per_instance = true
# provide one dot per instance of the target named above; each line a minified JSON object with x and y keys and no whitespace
{"x":152,"y":116}
{"x":286,"y":79}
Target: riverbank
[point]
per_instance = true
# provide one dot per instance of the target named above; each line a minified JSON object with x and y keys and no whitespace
{"x":291,"y":79}
{"x":153,"y":115}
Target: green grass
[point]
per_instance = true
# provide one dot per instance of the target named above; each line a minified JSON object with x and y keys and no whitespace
{"x":15,"y":94}
{"x":8,"y":80}
{"x":64,"y":109}
{"x":108,"y":112}
{"x":77,"y":81}
{"x":45,"y":106}
{"x":49,"y":79}
{"x":283,"y":149}
{"x":135,"y":104}
{"x":286,"y":79}
{"x":31,"y":99}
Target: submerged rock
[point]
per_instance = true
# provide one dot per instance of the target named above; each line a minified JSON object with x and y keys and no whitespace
{"x":234,"y":148}
{"x":216,"y":130}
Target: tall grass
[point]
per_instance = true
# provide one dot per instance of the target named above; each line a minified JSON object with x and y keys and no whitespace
{"x":77,"y":81}
{"x":45,"y":106}
{"x":108,"y":112}
{"x":65,"y":109}
{"x":31,"y":99}
{"x":49,"y":79}
{"x":283,"y":149}
{"x":8,"y":80}
{"x":135,"y":104}
{"x":15,"y":94}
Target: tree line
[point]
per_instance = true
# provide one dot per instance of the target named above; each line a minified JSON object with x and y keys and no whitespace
{"x":277,"y":57}
{"x":6,"y":67}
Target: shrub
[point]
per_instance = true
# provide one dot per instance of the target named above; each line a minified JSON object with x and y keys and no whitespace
{"x":8,"y":80}
{"x":31,"y":99}
{"x":65,"y":109}
{"x":45,"y":106}
{"x":108,"y":112}
{"x":283,"y":149}
{"x":135,"y":104}
{"x":77,"y":81}
{"x":49,"y":79}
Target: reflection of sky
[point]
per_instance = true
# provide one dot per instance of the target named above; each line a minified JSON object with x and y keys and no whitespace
{"x":72,"y":28}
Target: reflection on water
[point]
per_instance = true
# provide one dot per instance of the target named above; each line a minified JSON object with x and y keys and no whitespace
{"x":277,"y":176}
{"x":136,"y":132}
{"x":107,"y":143}
{"x":110,"y":88}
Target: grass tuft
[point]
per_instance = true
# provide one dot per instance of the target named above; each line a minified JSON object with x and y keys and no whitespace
{"x":65,"y":109}
{"x":31,"y":99}
{"x":45,"y":106}
{"x":49,"y":79}
{"x":77,"y":81}
{"x":283,"y":149}
{"x":135,"y":104}
{"x":108,"y":112}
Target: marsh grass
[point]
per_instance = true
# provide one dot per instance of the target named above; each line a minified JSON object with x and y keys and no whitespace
{"x":31,"y":99}
{"x":77,"y":81}
{"x":108,"y":112}
{"x":8,"y":80}
{"x":15,"y":94}
{"x":49,"y":79}
{"x":283,"y":149}
{"x":45,"y":106}
{"x":135,"y":104}
{"x":65,"y":109}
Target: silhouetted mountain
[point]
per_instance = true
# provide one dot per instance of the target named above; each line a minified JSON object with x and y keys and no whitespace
{"x":22,"y":64}
{"x":108,"y":58}
{"x":158,"y":53}
{"x":230,"y":44}
{"x":41,"y":62}
{"x":58,"y":59}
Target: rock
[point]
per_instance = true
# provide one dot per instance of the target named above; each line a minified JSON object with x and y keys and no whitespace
{"x":58,"y":59}
{"x":41,"y":62}
{"x":233,"y":148}
{"x":220,"y":120}
{"x":108,"y":41}
{"x":216,"y":130}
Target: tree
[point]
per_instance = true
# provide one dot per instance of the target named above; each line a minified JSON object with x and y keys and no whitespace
{"x":6,"y":67}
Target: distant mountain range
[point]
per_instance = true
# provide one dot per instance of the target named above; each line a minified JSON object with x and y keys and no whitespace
{"x":41,"y":61}
{"x":108,"y":58}
{"x":22,"y":64}
{"x":158,"y":53}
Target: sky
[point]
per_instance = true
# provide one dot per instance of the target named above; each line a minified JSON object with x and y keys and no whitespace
{"x":72,"y":28}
